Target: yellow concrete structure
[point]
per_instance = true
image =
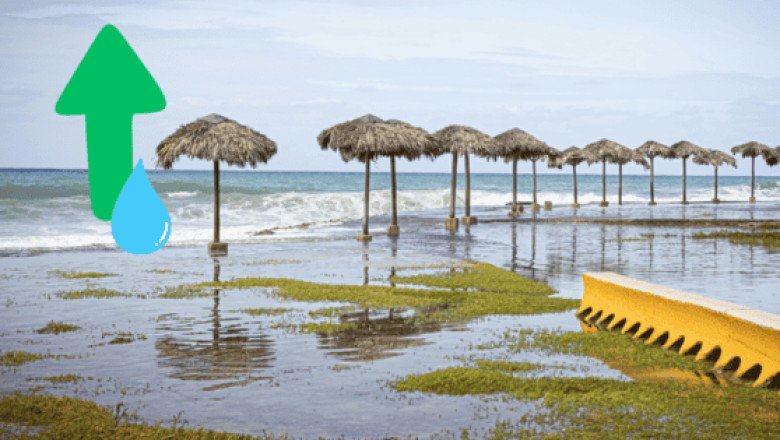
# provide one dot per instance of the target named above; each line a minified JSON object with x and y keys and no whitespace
{"x":737,"y":338}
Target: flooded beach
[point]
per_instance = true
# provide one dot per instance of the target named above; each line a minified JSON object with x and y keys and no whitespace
{"x":251,"y":361}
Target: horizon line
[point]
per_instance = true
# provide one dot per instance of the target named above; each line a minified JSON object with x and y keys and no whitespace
{"x":250,"y":170}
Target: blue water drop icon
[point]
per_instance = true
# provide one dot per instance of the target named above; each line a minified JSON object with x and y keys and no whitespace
{"x":140,"y":223}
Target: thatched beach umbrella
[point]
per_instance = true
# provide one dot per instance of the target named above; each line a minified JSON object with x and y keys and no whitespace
{"x":369,"y":137}
{"x":430,"y":148}
{"x":651,"y":150}
{"x":218,"y":139}
{"x":751,"y":150}
{"x":463,"y":140}
{"x":571,"y":156}
{"x":626,"y":155}
{"x":514,"y":145}
{"x":603,"y":151}
{"x":683,"y":150}
{"x":716,"y":159}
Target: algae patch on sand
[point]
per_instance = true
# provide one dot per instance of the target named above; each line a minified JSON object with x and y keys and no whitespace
{"x":55,"y":328}
{"x":463,"y":294}
{"x":260,"y":311}
{"x":78,"y":275}
{"x":51,"y":417}
{"x":92,"y":293}
{"x":652,"y":406}
{"x":16,"y":358}
{"x":62,"y":378}
{"x":763,"y":237}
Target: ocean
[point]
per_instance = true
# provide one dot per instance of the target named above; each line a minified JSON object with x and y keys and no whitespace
{"x":49,"y":209}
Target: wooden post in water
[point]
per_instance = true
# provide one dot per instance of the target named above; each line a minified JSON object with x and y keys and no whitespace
{"x":365,"y":236}
{"x":535,"y":205}
{"x":215,"y":248}
{"x":620,"y":184}
{"x":753,"y":180}
{"x":451,"y":222}
{"x":467,"y":218}
{"x":393,"y":230}
{"x":514,"y":187}
{"x":652,"y":180}
{"x":604,"y":202}
{"x":216,"y":201}
{"x":685,"y":182}
{"x":576,"y":204}
{"x":716,"y":200}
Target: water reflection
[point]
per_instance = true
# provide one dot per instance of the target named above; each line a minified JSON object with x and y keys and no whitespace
{"x":233,"y":354}
{"x":394,"y":255}
{"x":376,"y":335}
{"x":365,"y":263}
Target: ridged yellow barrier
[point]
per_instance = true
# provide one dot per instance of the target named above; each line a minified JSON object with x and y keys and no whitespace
{"x":736,"y":338}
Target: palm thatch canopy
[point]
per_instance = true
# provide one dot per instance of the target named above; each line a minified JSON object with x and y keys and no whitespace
{"x":625,"y":155}
{"x":461,"y":139}
{"x":753,"y":149}
{"x":602,"y":150}
{"x":654,"y":149}
{"x":715,"y":158}
{"x":773,"y":158}
{"x":685,"y":149}
{"x":570,"y":156}
{"x":369,"y":137}
{"x":516,"y":144}
{"x":432,"y":148}
{"x":216,"y":138}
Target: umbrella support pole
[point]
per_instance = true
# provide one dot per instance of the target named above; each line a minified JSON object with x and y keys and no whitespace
{"x":652,"y":181}
{"x":393,"y":230}
{"x":753,"y":181}
{"x":685,"y":181}
{"x":215,"y":248}
{"x":451,"y":222}
{"x":604,"y":203}
{"x":364,"y":235}
{"x":467,"y":218}
{"x":576,"y":204}
{"x":516,"y":209}
{"x":534,"y":205}
{"x":728,"y":334}
{"x":716,"y":199}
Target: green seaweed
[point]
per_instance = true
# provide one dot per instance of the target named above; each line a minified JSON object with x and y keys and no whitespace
{"x":77,"y":275}
{"x":53,"y":327}
{"x":260,"y":311}
{"x":332,"y":312}
{"x":16,"y":358}
{"x":322,"y":328}
{"x":62,"y":378}
{"x":604,"y":408}
{"x":507,"y":366}
{"x":619,"y":350}
{"x":70,"y":418}
{"x":161,"y":271}
{"x":492,"y":291}
{"x":480,"y":276}
{"x":126,"y":338}
{"x":654,"y":405}
{"x":92,"y":293}
{"x":764,"y":237}
{"x":183,"y":292}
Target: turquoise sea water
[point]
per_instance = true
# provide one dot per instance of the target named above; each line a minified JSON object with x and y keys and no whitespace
{"x":49,"y":209}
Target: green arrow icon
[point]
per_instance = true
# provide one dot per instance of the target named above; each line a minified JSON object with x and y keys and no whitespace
{"x":108,"y":87}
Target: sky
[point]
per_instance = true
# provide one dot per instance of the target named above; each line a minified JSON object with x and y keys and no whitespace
{"x":568,"y":72}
